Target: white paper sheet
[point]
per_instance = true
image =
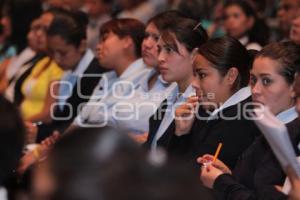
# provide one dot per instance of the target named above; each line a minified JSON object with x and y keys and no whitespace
{"x":277,"y":136}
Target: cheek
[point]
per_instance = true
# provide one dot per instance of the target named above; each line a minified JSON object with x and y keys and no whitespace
{"x":298,"y":105}
{"x":276,"y":95}
{"x":205,"y":85}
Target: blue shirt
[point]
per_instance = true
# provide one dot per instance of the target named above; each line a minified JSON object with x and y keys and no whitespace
{"x":110,"y":90}
{"x":133,"y":114}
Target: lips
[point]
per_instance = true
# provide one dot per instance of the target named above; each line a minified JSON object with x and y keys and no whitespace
{"x":146,"y":54}
{"x":257,"y":101}
{"x":162,"y":70}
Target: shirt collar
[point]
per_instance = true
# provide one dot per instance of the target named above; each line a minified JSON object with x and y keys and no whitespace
{"x":244,"y":40}
{"x":287,"y":115}
{"x":84,"y":63}
{"x":177,"y":97}
{"x":144,"y":84}
{"x":236,"y":98}
{"x":134,"y":67}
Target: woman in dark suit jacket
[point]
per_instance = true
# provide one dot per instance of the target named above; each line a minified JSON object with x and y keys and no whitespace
{"x":256,"y":173}
{"x":222,"y":75}
{"x":176,"y":47}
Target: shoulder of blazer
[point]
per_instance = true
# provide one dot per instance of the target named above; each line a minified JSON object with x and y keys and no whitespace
{"x":87,"y":85}
{"x":294,"y":133}
{"x":154,"y":123}
{"x":236,"y":112}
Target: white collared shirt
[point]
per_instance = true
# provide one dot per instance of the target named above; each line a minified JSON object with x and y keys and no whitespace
{"x":110,"y":90}
{"x":249,"y":45}
{"x":18,"y":61}
{"x":77,"y":73}
{"x":133,"y":114}
{"x":288,"y":115}
{"x":173,"y":101}
{"x":236,"y":98}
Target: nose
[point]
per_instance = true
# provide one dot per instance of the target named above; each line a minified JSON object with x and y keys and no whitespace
{"x":256,"y":89}
{"x":196,"y":83}
{"x":99,"y":47}
{"x":58,"y":59}
{"x":148,"y":43}
{"x":161,"y":58}
{"x":196,"y":86}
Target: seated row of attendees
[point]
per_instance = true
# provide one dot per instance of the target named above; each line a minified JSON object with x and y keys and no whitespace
{"x":257,"y":170}
{"x":178,"y":59}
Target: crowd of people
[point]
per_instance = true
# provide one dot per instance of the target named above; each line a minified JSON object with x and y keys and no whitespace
{"x":130,"y":99}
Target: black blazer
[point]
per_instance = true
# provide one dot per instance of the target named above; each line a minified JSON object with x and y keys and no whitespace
{"x":154,"y":123}
{"x":236,"y":135}
{"x":256,"y":172}
{"x":87,"y":85}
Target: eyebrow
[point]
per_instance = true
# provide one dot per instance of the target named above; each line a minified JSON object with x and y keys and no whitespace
{"x":199,"y":69}
{"x":260,"y":74}
{"x":264,"y":74}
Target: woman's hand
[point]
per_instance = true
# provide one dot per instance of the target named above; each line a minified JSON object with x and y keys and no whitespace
{"x":209,"y":174}
{"x":185,"y":116}
{"x":217,"y":163}
{"x":37,"y":154}
{"x":295,"y":182}
{"x":139,"y":138}
{"x":31,"y":132}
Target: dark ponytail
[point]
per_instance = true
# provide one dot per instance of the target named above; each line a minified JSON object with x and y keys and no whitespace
{"x":227,"y":52}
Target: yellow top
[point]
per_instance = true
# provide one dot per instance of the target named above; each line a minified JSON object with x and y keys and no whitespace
{"x":37,"y":85}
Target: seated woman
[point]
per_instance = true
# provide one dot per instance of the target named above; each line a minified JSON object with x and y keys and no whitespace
{"x":17,"y":16}
{"x":152,"y":90}
{"x":35,"y":87}
{"x":67,"y":42}
{"x":122,"y":39}
{"x":242,"y":23}
{"x":272,"y":78}
{"x":37,"y":41}
{"x":176,"y":49}
{"x":222,"y":75}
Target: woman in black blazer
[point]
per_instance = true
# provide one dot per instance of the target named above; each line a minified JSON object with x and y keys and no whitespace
{"x":256,"y":173}
{"x":223,"y":98}
{"x":176,"y":48}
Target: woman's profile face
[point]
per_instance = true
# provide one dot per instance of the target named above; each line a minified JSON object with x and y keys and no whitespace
{"x":66,"y":55}
{"x":149,"y":46}
{"x":109,"y":49}
{"x":210,"y":85}
{"x":270,"y":88}
{"x":36,"y":36}
{"x":175,"y":65}
{"x":236,"y":22}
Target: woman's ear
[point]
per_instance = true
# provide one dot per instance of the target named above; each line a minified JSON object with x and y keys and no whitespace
{"x":232,"y":75}
{"x":292,"y":91}
{"x":127,"y":42}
